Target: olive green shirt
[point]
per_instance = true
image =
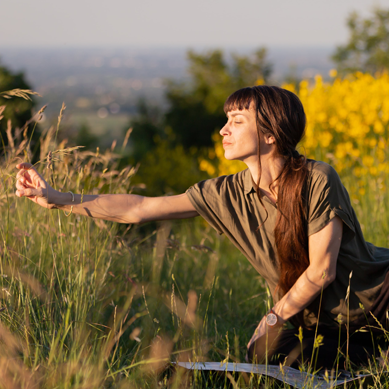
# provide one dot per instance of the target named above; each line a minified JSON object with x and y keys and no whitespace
{"x":231,"y":206}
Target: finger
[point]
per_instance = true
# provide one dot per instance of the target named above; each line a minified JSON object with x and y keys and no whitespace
{"x":20,"y":186}
{"x":28,"y":192}
{"x":19,"y":193}
{"x":25,"y":169}
{"x":26,"y":183}
{"x":31,"y":175}
{"x":22,"y":173}
{"x":23,"y":165}
{"x":22,"y":193}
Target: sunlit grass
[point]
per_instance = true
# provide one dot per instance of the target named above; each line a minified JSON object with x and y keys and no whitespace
{"x":84,"y":301}
{"x":87,"y":303}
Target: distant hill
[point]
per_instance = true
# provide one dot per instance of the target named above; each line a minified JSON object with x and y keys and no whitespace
{"x":102,"y":86}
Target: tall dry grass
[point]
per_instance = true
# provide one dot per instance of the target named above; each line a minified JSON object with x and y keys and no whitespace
{"x":87,"y":304}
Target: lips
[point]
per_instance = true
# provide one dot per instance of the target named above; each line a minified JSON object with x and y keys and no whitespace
{"x":226,"y":144}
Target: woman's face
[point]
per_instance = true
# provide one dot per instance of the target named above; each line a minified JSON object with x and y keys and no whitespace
{"x":240,"y":139}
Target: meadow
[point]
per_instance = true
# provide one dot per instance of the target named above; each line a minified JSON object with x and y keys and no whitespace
{"x":87,"y":303}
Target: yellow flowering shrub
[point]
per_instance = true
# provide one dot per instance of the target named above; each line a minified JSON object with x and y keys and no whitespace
{"x":347,"y":126}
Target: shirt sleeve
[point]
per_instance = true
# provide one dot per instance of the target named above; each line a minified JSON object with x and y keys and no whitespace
{"x":329,"y":198}
{"x":209,"y":199}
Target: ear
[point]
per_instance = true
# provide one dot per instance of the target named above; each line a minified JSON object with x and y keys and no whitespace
{"x":269,"y":139}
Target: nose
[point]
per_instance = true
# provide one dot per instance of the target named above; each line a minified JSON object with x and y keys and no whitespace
{"x":224,"y":131}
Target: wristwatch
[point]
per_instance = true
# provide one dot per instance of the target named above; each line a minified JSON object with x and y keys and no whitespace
{"x":271,"y":318}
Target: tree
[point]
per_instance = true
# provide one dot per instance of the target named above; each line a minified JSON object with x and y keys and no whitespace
{"x":17,"y":110}
{"x":368,"y":47}
{"x":147,"y":130}
{"x":166,"y":145}
{"x":249,"y":70}
{"x":196,"y":109}
{"x":85,"y":137}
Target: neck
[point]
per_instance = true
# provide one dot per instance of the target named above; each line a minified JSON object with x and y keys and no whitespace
{"x":271,"y":169}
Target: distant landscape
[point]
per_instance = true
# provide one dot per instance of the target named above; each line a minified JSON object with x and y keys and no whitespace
{"x":101,"y":87}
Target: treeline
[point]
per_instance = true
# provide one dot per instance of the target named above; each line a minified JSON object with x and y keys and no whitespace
{"x":167,"y":144}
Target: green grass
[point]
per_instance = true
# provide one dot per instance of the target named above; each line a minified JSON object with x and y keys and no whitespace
{"x":88,"y":304}
{"x":75,"y":291}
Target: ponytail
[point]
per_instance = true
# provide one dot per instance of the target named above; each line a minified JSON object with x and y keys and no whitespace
{"x":291,"y":230}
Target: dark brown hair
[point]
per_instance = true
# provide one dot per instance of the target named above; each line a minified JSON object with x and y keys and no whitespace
{"x":281,"y":114}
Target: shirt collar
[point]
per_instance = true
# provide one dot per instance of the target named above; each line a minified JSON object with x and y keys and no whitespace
{"x":248,"y":182}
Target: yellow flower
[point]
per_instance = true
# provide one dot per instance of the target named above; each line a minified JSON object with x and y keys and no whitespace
{"x":368,"y":160}
{"x":378,"y":127}
{"x":347,"y":126}
{"x":373,"y":171}
{"x":325,"y":138}
{"x":207,"y":167}
{"x":357,"y":171}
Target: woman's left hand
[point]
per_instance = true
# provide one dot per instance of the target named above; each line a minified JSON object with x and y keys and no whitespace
{"x":260,"y":330}
{"x":263,"y":329}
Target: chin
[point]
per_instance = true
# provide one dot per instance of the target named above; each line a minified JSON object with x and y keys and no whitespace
{"x":229,"y":156}
{"x":232,"y":159}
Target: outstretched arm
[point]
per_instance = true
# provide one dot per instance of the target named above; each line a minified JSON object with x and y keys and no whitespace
{"x":121,"y":208}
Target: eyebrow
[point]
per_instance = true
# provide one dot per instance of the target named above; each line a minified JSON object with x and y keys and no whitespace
{"x":234,"y":114}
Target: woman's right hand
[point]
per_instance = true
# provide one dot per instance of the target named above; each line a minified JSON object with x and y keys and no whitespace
{"x":30,"y":184}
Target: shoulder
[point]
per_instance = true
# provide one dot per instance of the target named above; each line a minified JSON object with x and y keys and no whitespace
{"x":324,"y":186}
{"x":230,"y":188}
{"x":235,"y":182}
{"x":218,"y":199}
{"x":327,"y":197}
{"x":322,"y":172}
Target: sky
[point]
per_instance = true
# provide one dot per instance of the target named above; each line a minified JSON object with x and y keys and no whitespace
{"x":177,"y":23}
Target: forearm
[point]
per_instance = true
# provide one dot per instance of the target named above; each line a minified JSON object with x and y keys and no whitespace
{"x":125,"y":208}
{"x":323,"y":253}
{"x":307,"y":287}
{"x":121,"y":208}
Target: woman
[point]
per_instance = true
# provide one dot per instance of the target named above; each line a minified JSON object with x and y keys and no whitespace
{"x":291,"y":217}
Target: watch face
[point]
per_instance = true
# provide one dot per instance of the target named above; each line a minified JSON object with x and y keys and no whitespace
{"x":271,"y":319}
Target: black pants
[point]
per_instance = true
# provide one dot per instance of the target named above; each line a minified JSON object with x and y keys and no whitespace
{"x":335,"y":346}
{"x":327,"y":353}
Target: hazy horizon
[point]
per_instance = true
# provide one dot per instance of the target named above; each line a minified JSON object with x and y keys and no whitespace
{"x":174,"y":23}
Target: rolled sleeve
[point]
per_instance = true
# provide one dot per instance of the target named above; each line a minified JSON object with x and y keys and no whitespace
{"x":329,"y":198}
{"x":206,"y":198}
